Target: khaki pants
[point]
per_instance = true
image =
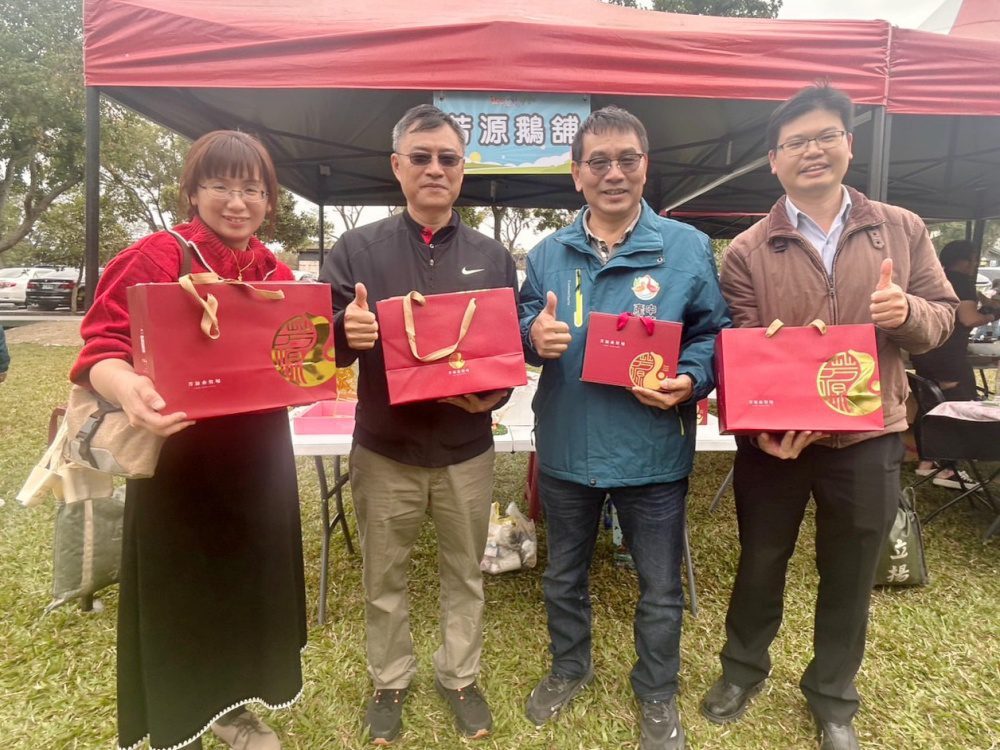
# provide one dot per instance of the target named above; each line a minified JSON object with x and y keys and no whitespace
{"x":390,"y":501}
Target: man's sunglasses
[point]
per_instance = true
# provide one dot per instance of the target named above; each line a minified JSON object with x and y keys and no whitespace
{"x":422,"y":159}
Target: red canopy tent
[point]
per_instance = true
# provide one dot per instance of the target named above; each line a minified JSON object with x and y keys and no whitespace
{"x":322,"y":82}
{"x":520,"y":45}
{"x":979,"y":19}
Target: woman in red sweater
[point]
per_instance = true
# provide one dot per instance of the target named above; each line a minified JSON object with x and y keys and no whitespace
{"x":212,"y":600}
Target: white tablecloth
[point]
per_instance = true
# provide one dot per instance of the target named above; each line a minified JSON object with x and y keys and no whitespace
{"x":515,"y":415}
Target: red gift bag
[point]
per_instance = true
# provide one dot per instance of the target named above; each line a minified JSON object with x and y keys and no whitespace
{"x":214,"y":347}
{"x":627,"y":350}
{"x":703,"y":411}
{"x":814,"y":377}
{"x":446,"y":345}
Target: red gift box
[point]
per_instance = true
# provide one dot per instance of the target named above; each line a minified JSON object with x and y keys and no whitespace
{"x":272,"y":345}
{"x":630,"y":351}
{"x":326,"y":418}
{"x":813,"y":377}
{"x":446,"y":345}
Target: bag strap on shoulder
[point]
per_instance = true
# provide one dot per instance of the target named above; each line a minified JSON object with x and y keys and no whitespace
{"x":187,"y":253}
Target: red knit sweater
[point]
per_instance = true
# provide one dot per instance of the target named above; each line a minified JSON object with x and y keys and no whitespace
{"x":155,"y":259}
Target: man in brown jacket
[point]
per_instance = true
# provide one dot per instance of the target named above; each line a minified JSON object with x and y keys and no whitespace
{"x":824,"y":251}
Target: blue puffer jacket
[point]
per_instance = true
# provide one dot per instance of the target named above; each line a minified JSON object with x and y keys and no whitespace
{"x":601,"y":435}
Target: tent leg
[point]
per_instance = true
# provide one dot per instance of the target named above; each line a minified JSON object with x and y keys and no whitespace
{"x":92,"y":191}
{"x":878,"y":172}
{"x":978,"y":235}
{"x":322,"y":232}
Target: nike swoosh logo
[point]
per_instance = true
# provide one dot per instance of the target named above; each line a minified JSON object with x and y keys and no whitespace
{"x":467,"y":271}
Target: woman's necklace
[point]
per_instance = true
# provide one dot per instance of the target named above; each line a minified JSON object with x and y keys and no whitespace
{"x":239,"y":269}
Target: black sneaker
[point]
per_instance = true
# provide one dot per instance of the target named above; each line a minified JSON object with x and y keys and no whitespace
{"x":472,"y":715}
{"x":552,"y":694}
{"x":661,"y":726}
{"x":384,"y":715}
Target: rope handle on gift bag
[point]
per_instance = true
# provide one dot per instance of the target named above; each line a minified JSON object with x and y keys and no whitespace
{"x":411,"y":333}
{"x":777,"y":325}
{"x":209,"y":303}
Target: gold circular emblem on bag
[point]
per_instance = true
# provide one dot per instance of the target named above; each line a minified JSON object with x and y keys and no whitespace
{"x":302,"y":350}
{"x":456,"y":361}
{"x":646,"y":371}
{"x":846,"y":383}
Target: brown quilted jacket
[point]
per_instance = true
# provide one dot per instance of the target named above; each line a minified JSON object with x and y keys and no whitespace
{"x":770,"y":271}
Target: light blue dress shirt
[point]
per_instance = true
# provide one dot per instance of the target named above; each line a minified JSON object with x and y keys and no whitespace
{"x":824,"y":242}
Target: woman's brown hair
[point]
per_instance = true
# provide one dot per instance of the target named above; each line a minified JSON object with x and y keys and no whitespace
{"x":227,"y":153}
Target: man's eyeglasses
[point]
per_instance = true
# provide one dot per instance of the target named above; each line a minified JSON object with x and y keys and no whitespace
{"x":422,"y":159}
{"x":223,"y":193}
{"x":825,"y":141}
{"x":627,"y":163}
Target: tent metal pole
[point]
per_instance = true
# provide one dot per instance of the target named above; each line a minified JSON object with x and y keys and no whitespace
{"x":878,"y":174}
{"x":322,"y":232}
{"x":968,"y":230}
{"x":978,"y":235}
{"x":92,"y":191}
{"x":755,"y":164}
{"x":498,"y":211}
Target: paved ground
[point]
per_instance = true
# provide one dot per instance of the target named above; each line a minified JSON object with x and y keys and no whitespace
{"x":54,"y":333}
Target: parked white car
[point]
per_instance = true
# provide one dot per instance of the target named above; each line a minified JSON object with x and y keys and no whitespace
{"x":14,"y":283}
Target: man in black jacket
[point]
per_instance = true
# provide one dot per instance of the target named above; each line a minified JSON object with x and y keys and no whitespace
{"x":429,"y":456}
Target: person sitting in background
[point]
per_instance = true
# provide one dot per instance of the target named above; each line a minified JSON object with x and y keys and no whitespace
{"x":947,"y":365}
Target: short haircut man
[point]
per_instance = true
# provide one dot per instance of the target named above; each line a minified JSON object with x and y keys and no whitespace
{"x":428,"y":457}
{"x":824,"y":251}
{"x":616,"y":245}
{"x":609,"y":119}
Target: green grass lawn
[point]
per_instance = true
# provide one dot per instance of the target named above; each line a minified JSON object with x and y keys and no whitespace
{"x":931,"y":678}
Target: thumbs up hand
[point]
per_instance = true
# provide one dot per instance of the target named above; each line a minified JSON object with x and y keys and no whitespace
{"x":360,"y":325}
{"x":550,"y":336}
{"x":889,"y":307}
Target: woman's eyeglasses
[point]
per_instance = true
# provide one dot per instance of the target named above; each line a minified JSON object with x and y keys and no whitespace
{"x":223,"y":193}
{"x":627,"y":163}
{"x":422,"y":159}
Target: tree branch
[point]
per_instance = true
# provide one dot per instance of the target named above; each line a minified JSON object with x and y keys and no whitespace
{"x":34,"y":210}
{"x":141,"y":201}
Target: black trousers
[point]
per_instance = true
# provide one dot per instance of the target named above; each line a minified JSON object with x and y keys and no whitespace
{"x":856,"y":491}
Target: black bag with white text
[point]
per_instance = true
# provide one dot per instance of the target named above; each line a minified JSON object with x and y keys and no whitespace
{"x":902,"y":561}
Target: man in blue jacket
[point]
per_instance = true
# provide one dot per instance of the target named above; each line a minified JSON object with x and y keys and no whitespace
{"x":635,"y":444}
